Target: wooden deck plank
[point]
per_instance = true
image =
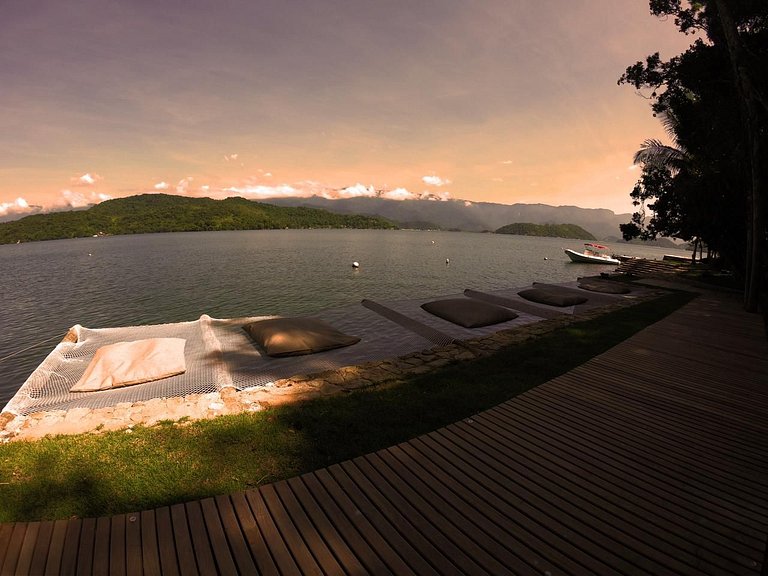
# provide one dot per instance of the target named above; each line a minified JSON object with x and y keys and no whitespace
{"x":219,"y":545}
{"x":101,"y":544}
{"x":657,"y":453}
{"x":372,"y":546}
{"x":15,"y":535}
{"x":86,"y":549}
{"x":55,"y":549}
{"x":150,"y":547}
{"x":133,"y":552}
{"x":465,"y":509}
{"x":41,"y":548}
{"x":629,"y":486}
{"x":234,"y":536}
{"x":532,"y":541}
{"x":319,"y":548}
{"x":117,"y":547}
{"x":24,"y":560}
{"x":302,"y":555}
{"x":391,"y":533}
{"x":206,"y":564}
{"x":448,"y":516}
{"x":326,"y":525}
{"x":268,"y":530}
{"x":71,"y":547}
{"x":702,"y":439}
{"x":6,"y":529}
{"x":551,"y":510}
{"x":577,"y":433}
{"x":617,"y":471}
{"x":183,"y":540}
{"x":639,"y":524}
{"x":166,"y":543}
{"x":431,"y":544}
{"x":253,"y":536}
{"x":669,"y":414}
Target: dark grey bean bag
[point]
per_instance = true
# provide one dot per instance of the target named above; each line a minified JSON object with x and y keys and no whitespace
{"x":280,"y":337}
{"x":605,"y":287}
{"x":552,"y":296}
{"x":469,"y":313}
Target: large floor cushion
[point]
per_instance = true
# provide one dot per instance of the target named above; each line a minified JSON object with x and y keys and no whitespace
{"x":605,"y":287}
{"x":469,"y":313}
{"x":128,"y":363}
{"x":280,"y":337}
{"x":552,"y":296}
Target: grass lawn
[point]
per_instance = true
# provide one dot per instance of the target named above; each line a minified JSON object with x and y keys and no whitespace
{"x":127,"y":471}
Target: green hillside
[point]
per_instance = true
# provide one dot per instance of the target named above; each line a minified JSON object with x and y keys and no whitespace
{"x":550,"y":230}
{"x":165,"y":213}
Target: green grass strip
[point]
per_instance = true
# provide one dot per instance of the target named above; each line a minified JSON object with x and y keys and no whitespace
{"x":117,"y":472}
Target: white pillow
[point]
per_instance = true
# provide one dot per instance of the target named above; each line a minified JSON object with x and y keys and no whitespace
{"x":127,"y":363}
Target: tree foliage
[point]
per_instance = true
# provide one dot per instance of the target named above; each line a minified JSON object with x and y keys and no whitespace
{"x":165,"y":213}
{"x":709,"y":184}
{"x":550,"y":230}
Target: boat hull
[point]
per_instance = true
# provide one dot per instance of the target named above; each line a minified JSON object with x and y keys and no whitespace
{"x":582,"y":258}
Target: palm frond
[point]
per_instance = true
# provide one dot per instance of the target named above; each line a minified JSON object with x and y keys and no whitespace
{"x":655,"y":153}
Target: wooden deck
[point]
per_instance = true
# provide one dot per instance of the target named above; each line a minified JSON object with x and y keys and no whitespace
{"x":649,"y":459}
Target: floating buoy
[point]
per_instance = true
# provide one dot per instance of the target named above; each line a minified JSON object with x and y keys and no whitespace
{"x":447,"y":260}
{"x":433,"y":241}
{"x":545,"y":258}
{"x":355,"y":265}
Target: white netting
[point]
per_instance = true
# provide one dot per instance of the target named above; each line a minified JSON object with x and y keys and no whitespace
{"x":218,"y":353}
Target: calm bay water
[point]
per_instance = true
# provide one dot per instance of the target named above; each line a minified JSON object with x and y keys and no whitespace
{"x":48,"y":287}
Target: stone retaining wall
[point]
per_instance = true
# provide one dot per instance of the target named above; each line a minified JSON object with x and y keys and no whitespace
{"x":297,"y":388}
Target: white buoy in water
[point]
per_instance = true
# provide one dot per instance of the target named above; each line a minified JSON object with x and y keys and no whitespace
{"x":447,"y":260}
{"x":355,"y":265}
{"x":545,"y":258}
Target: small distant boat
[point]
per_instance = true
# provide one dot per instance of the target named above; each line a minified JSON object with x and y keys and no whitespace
{"x":592,"y":254}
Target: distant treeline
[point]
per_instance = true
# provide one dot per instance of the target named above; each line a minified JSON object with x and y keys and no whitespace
{"x":551,"y":230}
{"x":149,"y":213}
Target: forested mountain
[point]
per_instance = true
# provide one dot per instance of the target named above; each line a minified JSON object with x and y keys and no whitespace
{"x":166,"y":213}
{"x":470,"y":216}
{"x":550,"y":230}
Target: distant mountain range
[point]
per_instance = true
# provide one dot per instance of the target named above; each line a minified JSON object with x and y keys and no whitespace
{"x":169,"y":213}
{"x":470,"y":216}
{"x":166,"y":213}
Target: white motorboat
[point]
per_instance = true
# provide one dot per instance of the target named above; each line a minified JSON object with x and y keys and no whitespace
{"x":592,"y":254}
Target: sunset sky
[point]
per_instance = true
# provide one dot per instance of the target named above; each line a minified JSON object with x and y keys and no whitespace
{"x":485,"y":100}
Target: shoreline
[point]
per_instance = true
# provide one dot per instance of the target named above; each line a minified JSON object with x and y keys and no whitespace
{"x":300,"y":387}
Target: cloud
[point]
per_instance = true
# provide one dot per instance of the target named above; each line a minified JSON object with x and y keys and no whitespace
{"x":440,"y":197}
{"x":435,"y":181}
{"x":86,"y":179}
{"x":162,"y":186}
{"x":18,"y":207}
{"x":356,"y":191}
{"x":399,"y":194}
{"x":70,"y":199}
{"x":230,"y":157}
{"x":261,"y":191}
{"x":506,"y":162}
{"x":183,"y":186}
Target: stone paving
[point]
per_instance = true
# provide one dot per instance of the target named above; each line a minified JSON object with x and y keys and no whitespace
{"x":231,"y":401}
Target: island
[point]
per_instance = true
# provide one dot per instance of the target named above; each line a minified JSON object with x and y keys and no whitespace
{"x":148,"y":213}
{"x":550,"y":230}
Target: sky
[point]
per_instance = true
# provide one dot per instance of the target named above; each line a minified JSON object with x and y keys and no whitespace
{"x":490,"y":100}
